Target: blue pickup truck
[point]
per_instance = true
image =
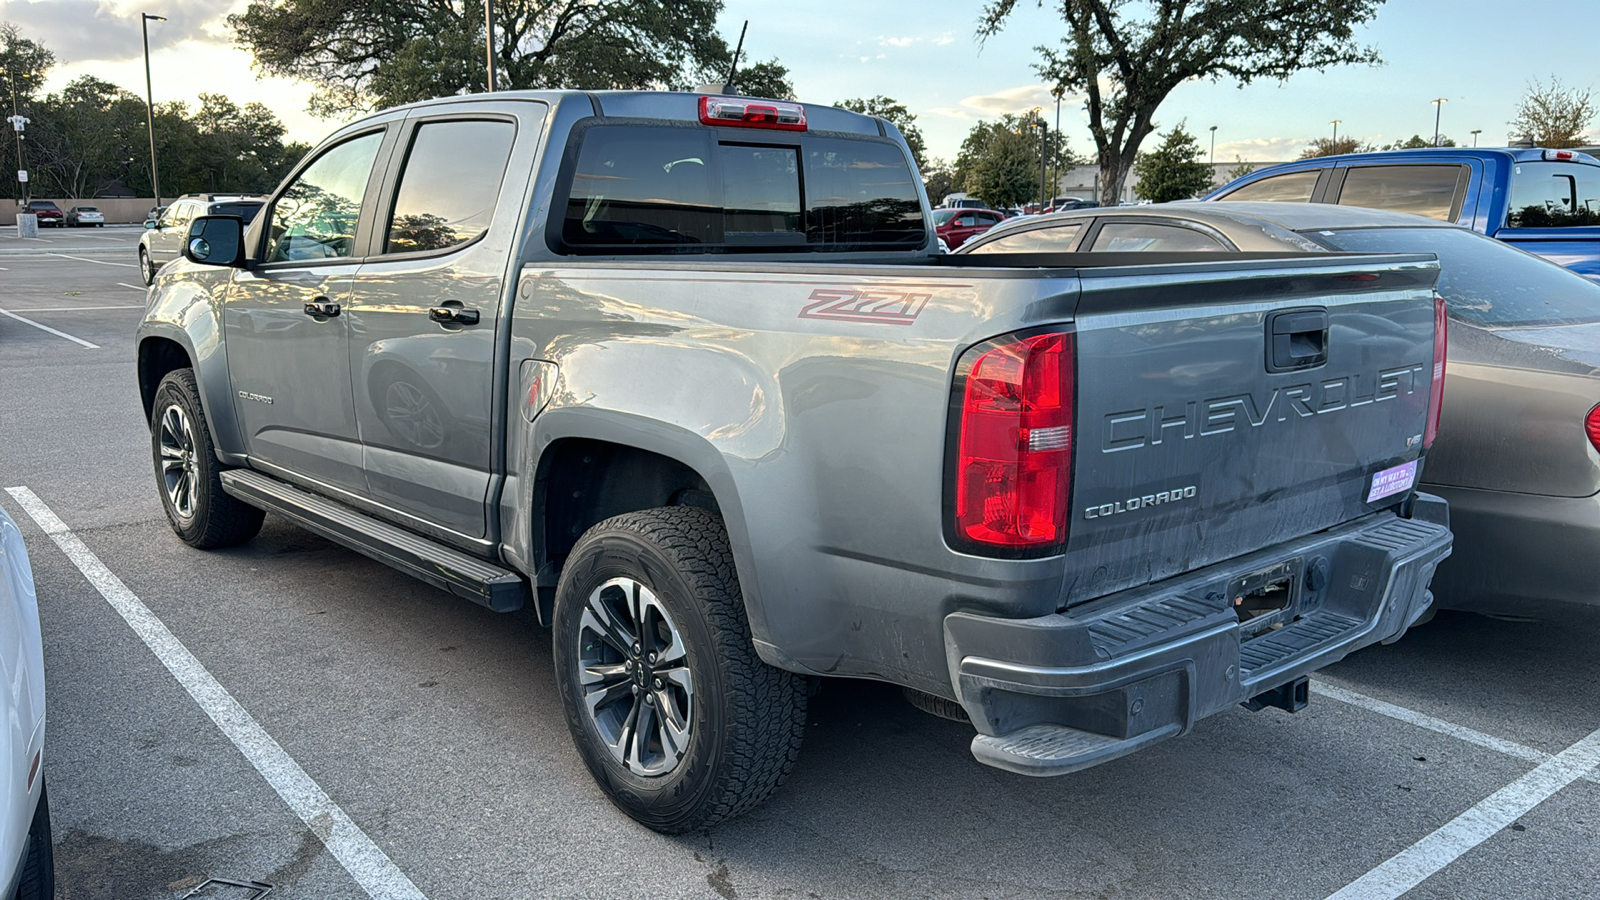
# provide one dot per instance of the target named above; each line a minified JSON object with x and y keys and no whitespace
{"x":1543,"y":201}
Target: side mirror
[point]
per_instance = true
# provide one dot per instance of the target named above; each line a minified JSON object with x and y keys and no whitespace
{"x":149,"y":223}
{"x":215,"y":241}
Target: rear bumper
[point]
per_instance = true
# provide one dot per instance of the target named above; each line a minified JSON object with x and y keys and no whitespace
{"x":1520,"y":554}
{"x":1063,"y":692}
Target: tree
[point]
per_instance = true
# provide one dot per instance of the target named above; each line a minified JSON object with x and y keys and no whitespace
{"x":1126,"y":67}
{"x":896,"y":114}
{"x":1417,"y":142}
{"x":938,"y":179}
{"x":23,"y":67}
{"x":1239,"y":170}
{"x":768,"y":79}
{"x":1173,"y":170}
{"x":999,"y":161}
{"x":366,"y":53}
{"x":1330,"y":147}
{"x":1553,"y":115}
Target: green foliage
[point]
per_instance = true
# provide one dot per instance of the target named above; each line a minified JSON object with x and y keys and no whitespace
{"x":1239,"y":170}
{"x":938,"y":179}
{"x":372,"y":53}
{"x":768,"y":79}
{"x":23,"y":65}
{"x":1126,"y":58}
{"x":1415,"y":142}
{"x":1173,"y":170}
{"x":1553,"y":115}
{"x":999,"y":161}
{"x":896,"y":114}
{"x":1330,"y":147}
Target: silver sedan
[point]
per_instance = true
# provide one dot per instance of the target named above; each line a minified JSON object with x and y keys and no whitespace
{"x":1518,"y":452}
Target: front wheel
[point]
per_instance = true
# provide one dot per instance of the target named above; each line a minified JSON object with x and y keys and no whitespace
{"x":38,"y":878}
{"x":188,"y":473}
{"x":679,"y":721}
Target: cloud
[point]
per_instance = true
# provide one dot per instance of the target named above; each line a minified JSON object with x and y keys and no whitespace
{"x":88,"y":30}
{"x":896,"y":41}
{"x":1011,"y":100}
{"x":944,"y":40}
{"x":1273,"y":149}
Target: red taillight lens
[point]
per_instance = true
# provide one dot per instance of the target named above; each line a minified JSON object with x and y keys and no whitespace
{"x":1014,"y":454}
{"x":1441,"y":346}
{"x":1592,"y":426}
{"x":752,"y":113}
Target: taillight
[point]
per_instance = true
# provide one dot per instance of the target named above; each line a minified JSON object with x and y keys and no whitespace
{"x":1013,"y":459}
{"x":752,"y":113}
{"x":1441,"y":345}
{"x":1592,"y":426}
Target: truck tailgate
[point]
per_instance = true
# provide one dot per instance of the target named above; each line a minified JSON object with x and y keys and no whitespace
{"x":1222,"y":415}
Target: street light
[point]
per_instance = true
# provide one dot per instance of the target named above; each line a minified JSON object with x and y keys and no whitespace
{"x":1335,"y":124}
{"x":488,"y":38}
{"x":1044,"y":155}
{"x":1475,"y":133}
{"x":1438,"y":107}
{"x":150,"y":103}
{"x":1055,"y":157}
{"x":1213,"y":147}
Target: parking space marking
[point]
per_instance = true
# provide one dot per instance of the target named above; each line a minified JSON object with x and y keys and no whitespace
{"x":138,"y":287}
{"x":1415,"y":864}
{"x":371,"y":868}
{"x":82,"y":308}
{"x":98,"y":262}
{"x":27,"y":321}
{"x":1431,"y":723}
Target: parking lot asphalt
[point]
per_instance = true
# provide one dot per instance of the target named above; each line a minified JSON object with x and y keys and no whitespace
{"x":1455,"y":763}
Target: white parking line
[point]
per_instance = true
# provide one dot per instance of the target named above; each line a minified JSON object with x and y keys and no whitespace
{"x":27,"y":321}
{"x":138,"y":287}
{"x":1421,"y":720}
{"x":81,"y":308}
{"x":365,"y":861}
{"x":98,"y":262}
{"x":1415,"y":864}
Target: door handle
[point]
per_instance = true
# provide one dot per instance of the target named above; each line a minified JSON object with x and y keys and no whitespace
{"x":1297,"y":339}
{"x":452,"y":314}
{"x":322,"y":307}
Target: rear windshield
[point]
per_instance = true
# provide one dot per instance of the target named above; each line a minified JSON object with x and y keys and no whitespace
{"x":1554,"y":195}
{"x":245,"y":211}
{"x":655,"y":189}
{"x":1482,"y":280}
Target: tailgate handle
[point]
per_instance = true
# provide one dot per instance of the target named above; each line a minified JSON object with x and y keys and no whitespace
{"x":1297,"y":339}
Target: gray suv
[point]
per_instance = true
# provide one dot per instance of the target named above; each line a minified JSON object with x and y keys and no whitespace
{"x":162,"y":240}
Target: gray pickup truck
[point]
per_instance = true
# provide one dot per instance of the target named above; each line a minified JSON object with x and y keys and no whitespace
{"x":686,"y":374}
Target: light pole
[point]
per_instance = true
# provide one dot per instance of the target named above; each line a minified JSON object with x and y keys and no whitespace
{"x":1044,"y":155}
{"x":488,"y":38}
{"x":150,"y":103}
{"x":1213,"y":146}
{"x":1438,"y":107}
{"x":1475,"y":133}
{"x":1055,"y":158}
{"x":1334,"y":148}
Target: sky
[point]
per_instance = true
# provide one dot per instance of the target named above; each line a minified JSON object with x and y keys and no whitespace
{"x":1477,"y":54}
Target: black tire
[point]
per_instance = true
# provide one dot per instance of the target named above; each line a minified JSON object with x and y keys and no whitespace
{"x":746,"y":720}
{"x":934,"y":705}
{"x":203,"y":515}
{"x":147,"y":269}
{"x":38,"y":879}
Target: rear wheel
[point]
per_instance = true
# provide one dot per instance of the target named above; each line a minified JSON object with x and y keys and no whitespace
{"x":147,"y":269}
{"x":38,"y":880}
{"x":188,"y":473}
{"x":679,"y":721}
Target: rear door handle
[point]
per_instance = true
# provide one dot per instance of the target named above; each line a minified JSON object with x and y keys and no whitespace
{"x":1297,"y":339}
{"x":452,"y":314}
{"x":322,"y":307}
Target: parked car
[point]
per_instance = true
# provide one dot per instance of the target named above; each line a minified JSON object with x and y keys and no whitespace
{"x":49,"y":214}
{"x":1518,"y":454}
{"x":600,"y":354}
{"x":1546,"y":202}
{"x":956,"y":226}
{"x":163,"y":237}
{"x":961,"y":201}
{"x":85,"y":216}
{"x":27,"y":866}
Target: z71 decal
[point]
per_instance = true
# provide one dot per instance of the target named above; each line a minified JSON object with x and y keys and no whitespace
{"x":885,"y":307}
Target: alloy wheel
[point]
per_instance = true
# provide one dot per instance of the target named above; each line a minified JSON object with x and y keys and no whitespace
{"x":637,"y":687}
{"x":180,"y":470}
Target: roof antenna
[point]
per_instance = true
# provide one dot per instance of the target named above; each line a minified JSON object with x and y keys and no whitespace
{"x":736,"y":51}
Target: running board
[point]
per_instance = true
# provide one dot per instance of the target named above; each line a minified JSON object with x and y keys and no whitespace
{"x":1044,"y":750}
{"x":502,"y":590}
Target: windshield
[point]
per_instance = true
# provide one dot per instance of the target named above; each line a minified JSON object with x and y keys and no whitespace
{"x":1482,"y":280}
{"x":245,"y":211}
{"x":943,"y":216}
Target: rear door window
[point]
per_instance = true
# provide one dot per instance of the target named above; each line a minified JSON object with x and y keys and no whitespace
{"x":448,"y":188}
{"x":1292,"y":187}
{"x":1554,"y":195}
{"x":1115,"y":237}
{"x":643,"y":188}
{"x":1056,"y":239}
{"x":1421,"y":190}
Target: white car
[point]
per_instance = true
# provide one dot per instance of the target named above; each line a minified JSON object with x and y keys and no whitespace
{"x":27,"y":864}
{"x":85,"y":216}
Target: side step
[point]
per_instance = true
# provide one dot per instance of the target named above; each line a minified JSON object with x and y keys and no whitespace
{"x":502,"y":590}
{"x":1057,"y":749}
